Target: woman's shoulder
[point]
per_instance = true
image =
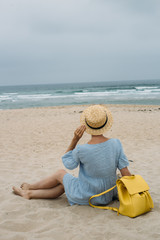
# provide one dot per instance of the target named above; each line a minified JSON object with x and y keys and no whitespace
{"x":116,"y":141}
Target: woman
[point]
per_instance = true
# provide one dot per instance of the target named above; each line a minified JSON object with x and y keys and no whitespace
{"x":98,"y":161}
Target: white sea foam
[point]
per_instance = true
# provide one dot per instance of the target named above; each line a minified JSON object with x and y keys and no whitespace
{"x":145,"y":87}
{"x":41,"y":96}
{"x":107,"y":93}
{"x":34,"y":96}
{"x":4,"y":98}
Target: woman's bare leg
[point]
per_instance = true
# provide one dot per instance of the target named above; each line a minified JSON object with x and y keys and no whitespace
{"x":51,"y":187}
{"x":41,"y":193}
{"x":46,"y":183}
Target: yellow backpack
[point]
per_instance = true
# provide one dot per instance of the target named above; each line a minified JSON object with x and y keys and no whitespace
{"x":133,"y":195}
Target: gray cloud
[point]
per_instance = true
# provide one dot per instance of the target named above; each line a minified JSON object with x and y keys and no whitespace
{"x":68,"y":41}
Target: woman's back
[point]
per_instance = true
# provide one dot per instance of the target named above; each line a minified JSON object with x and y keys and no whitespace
{"x":100,"y":160}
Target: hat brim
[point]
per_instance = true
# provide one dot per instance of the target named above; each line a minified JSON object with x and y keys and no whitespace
{"x":97,"y":131}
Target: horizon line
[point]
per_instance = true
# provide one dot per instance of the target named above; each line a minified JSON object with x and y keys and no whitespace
{"x":61,"y":83}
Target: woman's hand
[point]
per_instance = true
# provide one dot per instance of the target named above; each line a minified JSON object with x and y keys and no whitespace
{"x":79,"y":132}
{"x":77,"y":135}
{"x":125,"y":172}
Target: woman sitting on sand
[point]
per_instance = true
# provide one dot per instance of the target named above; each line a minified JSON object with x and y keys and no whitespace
{"x":98,"y":161}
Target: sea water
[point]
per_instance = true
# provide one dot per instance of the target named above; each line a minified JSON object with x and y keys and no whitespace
{"x":116,"y":92}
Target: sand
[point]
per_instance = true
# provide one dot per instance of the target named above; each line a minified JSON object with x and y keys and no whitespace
{"x":32,"y":142}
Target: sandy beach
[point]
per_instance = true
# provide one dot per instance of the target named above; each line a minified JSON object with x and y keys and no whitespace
{"x":32,"y":142}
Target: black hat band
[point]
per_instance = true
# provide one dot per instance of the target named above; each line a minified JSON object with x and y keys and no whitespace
{"x":97,"y":127}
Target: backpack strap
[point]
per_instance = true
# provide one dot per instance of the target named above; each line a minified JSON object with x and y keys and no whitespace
{"x":103,"y":207}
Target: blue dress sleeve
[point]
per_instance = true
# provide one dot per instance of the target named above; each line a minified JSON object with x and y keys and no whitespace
{"x":122,"y":161}
{"x":71,"y":159}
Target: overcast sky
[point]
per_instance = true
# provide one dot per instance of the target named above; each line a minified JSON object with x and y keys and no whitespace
{"x":53,"y":41}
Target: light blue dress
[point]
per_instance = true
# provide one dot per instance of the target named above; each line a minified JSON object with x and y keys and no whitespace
{"x":97,"y":171}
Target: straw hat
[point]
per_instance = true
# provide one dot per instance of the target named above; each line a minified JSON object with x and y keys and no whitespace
{"x":97,"y":119}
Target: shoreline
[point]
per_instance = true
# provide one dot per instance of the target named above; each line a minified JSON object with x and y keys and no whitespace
{"x":85,"y":105}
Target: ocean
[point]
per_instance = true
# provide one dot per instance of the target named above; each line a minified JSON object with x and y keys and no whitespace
{"x":116,"y":92}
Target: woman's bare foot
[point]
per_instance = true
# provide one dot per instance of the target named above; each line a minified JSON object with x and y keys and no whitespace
{"x":22,"y":193}
{"x":26,"y":186}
